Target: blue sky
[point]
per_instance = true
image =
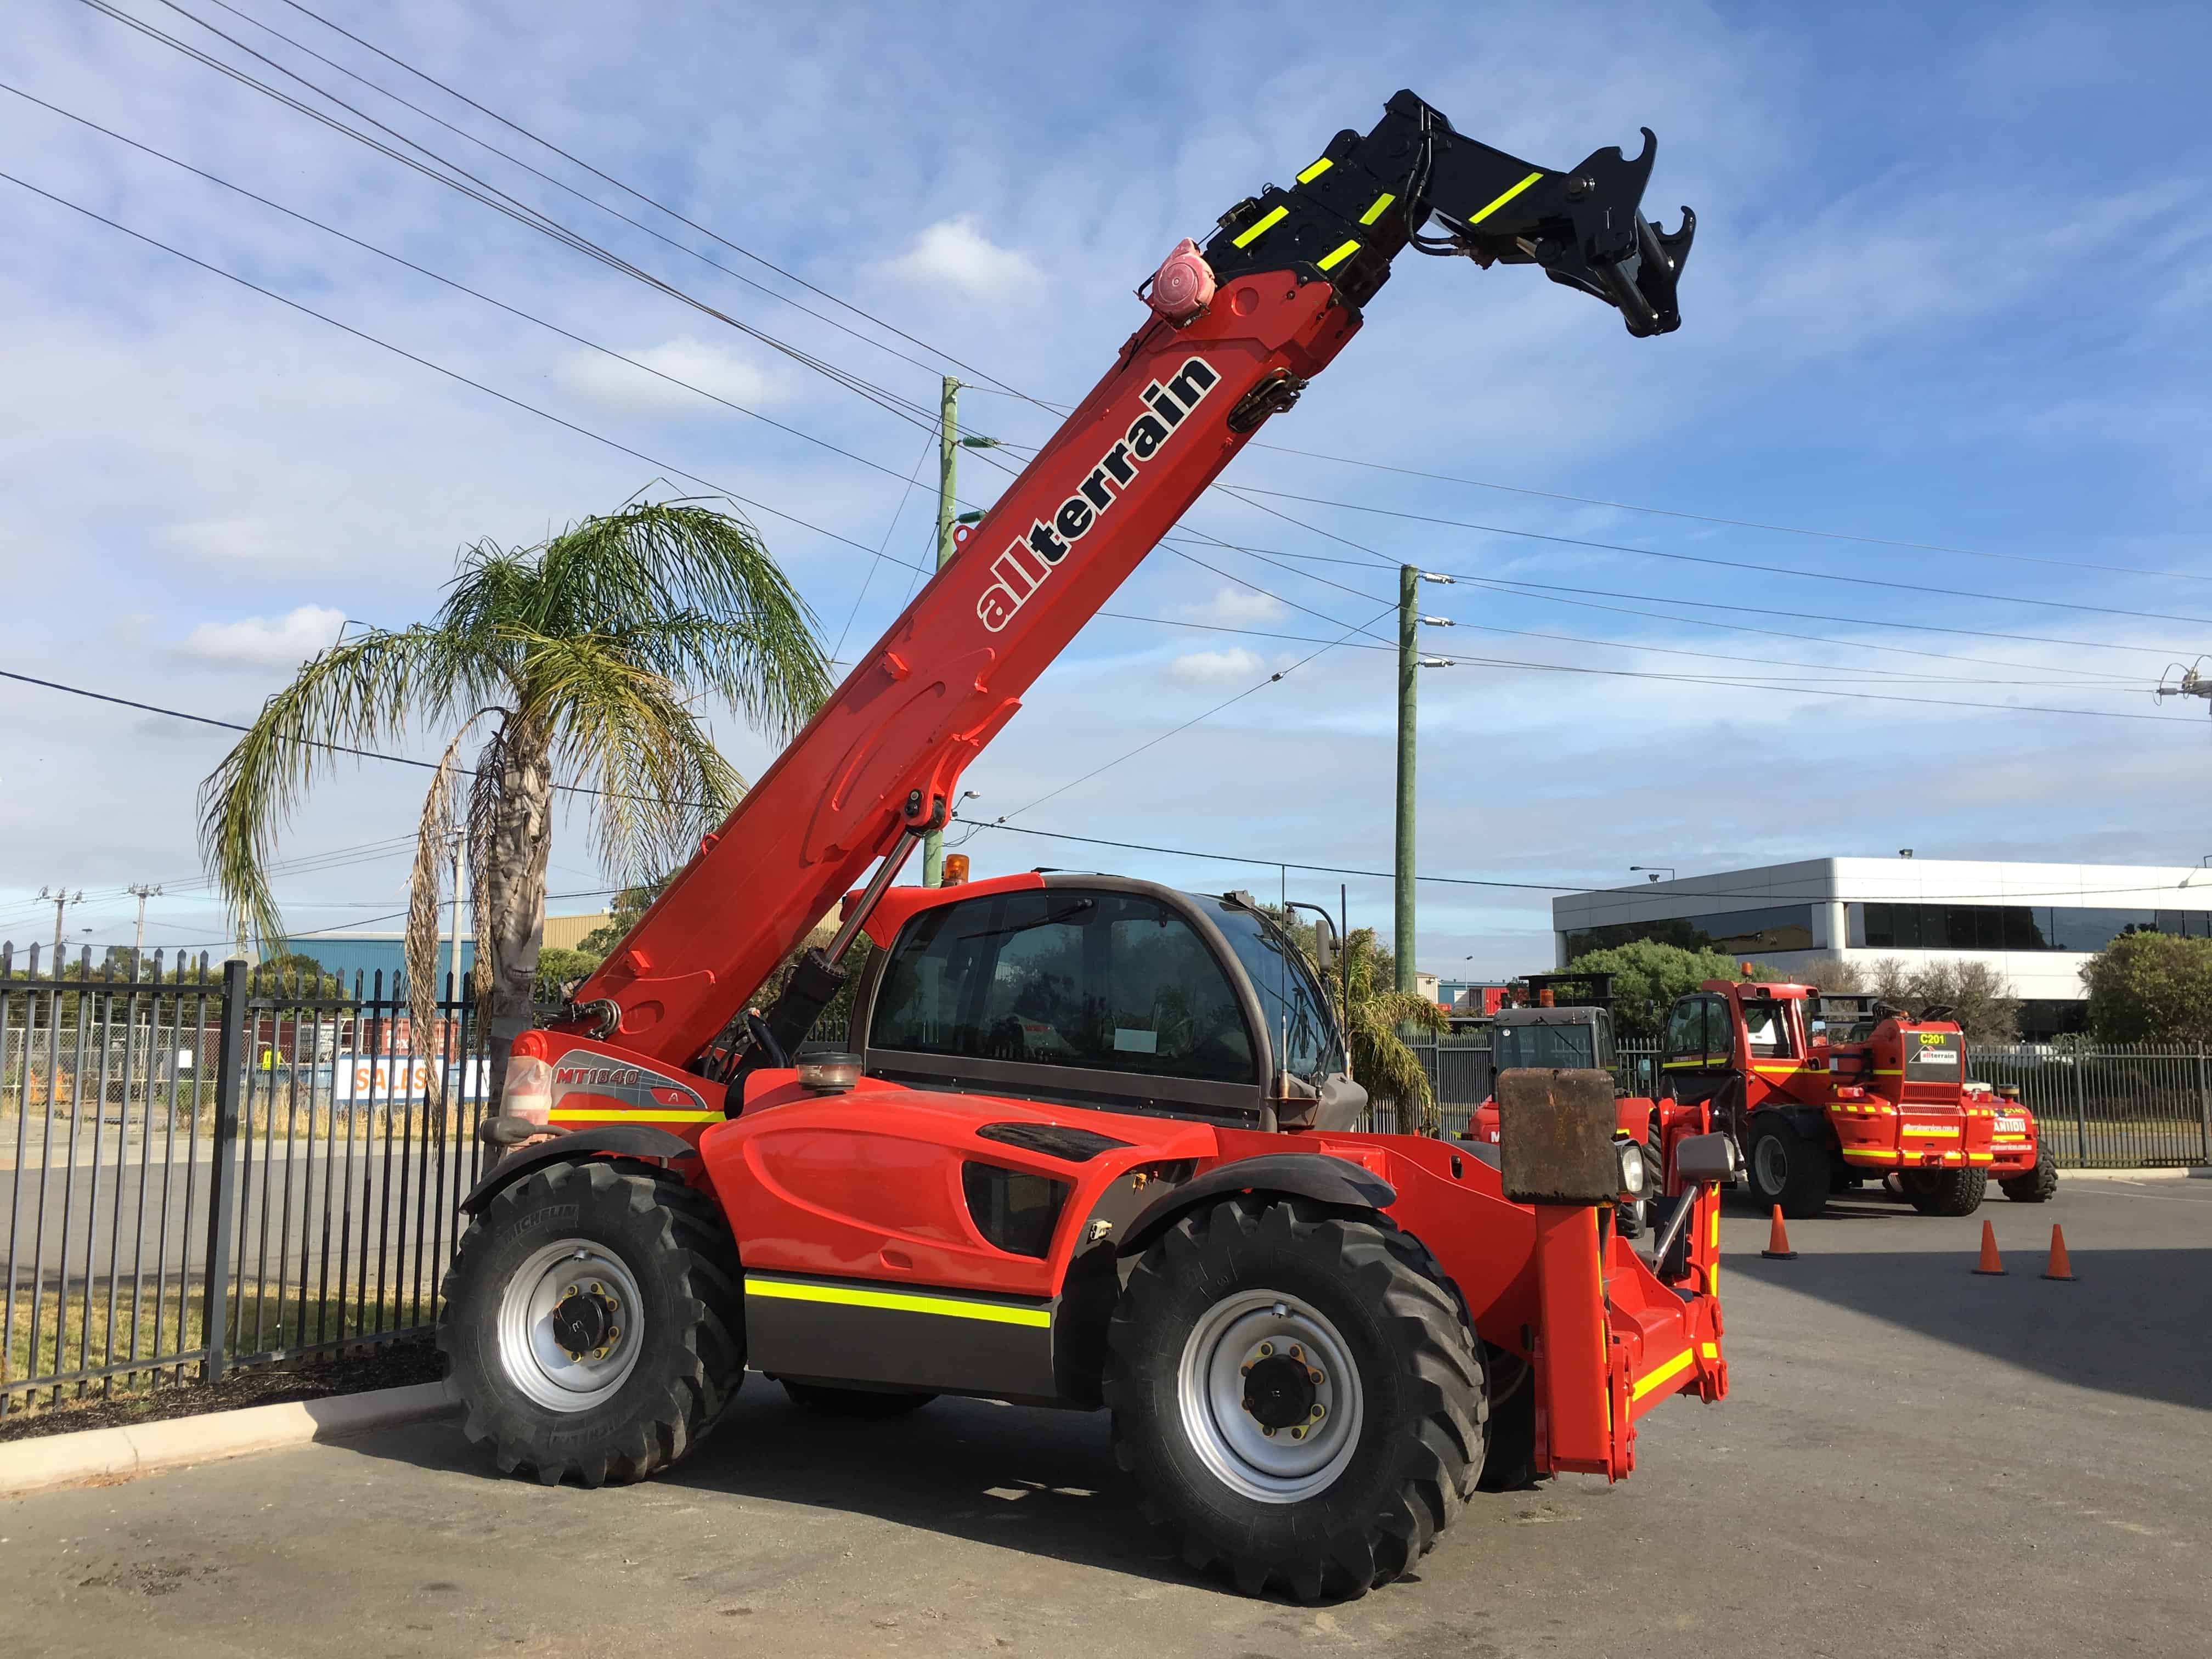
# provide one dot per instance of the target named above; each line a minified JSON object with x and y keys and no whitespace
{"x":1949,"y":288}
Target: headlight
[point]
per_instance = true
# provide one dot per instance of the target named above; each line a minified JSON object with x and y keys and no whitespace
{"x":1634,"y":1177}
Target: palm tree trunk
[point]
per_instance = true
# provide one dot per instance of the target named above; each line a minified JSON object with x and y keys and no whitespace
{"x":518,"y":835}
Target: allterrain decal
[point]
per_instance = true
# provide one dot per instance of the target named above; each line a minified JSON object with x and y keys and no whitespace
{"x":630,"y":1085}
{"x":1030,"y":560}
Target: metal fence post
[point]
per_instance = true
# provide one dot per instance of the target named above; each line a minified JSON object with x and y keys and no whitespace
{"x":223,"y":1185}
{"x":2203,"y":1107}
{"x":2082,"y":1105}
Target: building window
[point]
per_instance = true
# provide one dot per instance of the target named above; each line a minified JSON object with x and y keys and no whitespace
{"x":2010,"y":927}
{"x":1738,"y":932}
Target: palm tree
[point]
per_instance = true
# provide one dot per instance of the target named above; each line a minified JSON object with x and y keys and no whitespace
{"x":578,"y":659}
{"x":1381,"y":1063}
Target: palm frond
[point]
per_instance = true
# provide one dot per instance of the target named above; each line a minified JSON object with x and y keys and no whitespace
{"x":361,"y":693}
{"x":640,"y":567}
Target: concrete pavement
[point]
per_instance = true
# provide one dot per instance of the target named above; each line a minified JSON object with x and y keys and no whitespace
{"x":1913,"y":1461}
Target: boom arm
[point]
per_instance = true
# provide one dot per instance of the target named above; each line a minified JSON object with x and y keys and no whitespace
{"x":1234,"y":337}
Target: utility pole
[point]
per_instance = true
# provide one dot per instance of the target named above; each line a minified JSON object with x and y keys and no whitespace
{"x":1409,"y":670}
{"x":1410,"y":664}
{"x":2194,"y":684}
{"x":948,"y":454}
{"x":950,"y":443}
{"x":60,"y":898}
{"x":138,"y":938}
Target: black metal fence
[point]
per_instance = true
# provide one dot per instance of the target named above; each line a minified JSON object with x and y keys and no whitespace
{"x":203,"y":1168}
{"x":2115,"y":1106}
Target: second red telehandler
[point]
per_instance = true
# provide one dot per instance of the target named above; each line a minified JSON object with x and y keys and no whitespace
{"x":1823,"y":1093}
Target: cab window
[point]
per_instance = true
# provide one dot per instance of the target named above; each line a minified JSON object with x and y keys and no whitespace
{"x":1300,"y":1023}
{"x":1514,"y":1047}
{"x":1106,"y":981}
{"x":1698,"y":1032}
{"x":1766,"y":1028}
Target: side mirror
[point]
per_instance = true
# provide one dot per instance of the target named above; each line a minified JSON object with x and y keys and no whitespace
{"x":1324,"y":943}
{"x":1702,"y":1158}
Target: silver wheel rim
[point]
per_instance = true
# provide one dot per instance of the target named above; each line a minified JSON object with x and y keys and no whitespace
{"x":1773,"y":1165}
{"x":532,"y":1353}
{"x":1295,"y":1462}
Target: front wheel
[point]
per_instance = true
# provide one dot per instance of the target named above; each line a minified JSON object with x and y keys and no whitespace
{"x":1787,"y":1168}
{"x":1298,"y":1395}
{"x":593,"y":1328}
{"x":2038,"y":1186}
{"x":1944,"y":1192}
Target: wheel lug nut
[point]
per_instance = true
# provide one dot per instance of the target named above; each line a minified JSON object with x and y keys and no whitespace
{"x":1296,"y":1353}
{"x":1297,"y":1433}
{"x":1266,"y":1350}
{"x":1269,"y":1432}
{"x":1315,"y":1375}
{"x":571,"y":1291}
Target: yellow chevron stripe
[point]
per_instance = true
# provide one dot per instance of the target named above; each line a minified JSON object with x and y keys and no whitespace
{"x":1665,"y":1374}
{"x":853,"y":1296}
{"x":624,"y":1114}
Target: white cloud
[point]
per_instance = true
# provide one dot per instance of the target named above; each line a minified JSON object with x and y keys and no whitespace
{"x":282,"y":643}
{"x":712,"y":368}
{"x":953,"y":252}
{"x":1209,"y":667}
{"x":1237,"y":607}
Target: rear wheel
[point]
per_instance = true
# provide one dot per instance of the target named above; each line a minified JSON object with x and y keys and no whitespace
{"x":592,"y":1325}
{"x":1787,"y":1168}
{"x":2038,"y":1186}
{"x":1298,"y":1395}
{"x":855,"y":1402}
{"x":1944,"y":1192}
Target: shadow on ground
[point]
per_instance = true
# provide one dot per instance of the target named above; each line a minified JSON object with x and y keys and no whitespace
{"x":2131,"y":1323}
{"x":1042,"y":1482}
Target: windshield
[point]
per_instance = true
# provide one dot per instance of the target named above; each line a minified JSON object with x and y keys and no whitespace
{"x":1301,"y":1020}
{"x":1766,"y":1027}
{"x":1583,"y":1045}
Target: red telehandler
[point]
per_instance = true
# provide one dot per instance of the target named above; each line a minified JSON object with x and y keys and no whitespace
{"x":1822,"y":1091}
{"x":1094,"y":1145}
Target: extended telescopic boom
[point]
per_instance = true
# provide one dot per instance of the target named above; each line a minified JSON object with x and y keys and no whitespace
{"x":1237,"y":332}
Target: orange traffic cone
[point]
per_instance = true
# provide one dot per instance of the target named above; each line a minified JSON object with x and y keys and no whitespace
{"x":2060,"y":1267}
{"x":1778,"y":1241}
{"x":1990,"y":1263}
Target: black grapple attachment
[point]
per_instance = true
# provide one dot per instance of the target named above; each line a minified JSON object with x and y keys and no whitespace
{"x":1369,"y":196}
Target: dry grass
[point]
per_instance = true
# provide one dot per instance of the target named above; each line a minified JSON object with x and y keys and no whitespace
{"x":259,"y":1321}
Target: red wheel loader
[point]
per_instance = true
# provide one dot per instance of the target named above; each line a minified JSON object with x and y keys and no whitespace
{"x":1823,"y":1092}
{"x":1092,"y":1145}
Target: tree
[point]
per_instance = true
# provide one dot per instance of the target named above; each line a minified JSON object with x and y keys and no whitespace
{"x":2150,"y":988}
{"x":579,"y":657}
{"x":559,"y":971}
{"x":1647,"y":977}
{"x":628,"y":905}
{"x":1979,"y":997}
{"x":1381,"y":1063}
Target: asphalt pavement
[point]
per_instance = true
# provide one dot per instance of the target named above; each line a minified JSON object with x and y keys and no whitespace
{"x":1914,"y":1460}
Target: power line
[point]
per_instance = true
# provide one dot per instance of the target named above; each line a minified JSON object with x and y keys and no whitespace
{"x":467,"y":184}
{"x":1735,"y":524}
{"x":1767,"y":894}
{"x":1242,"y":491}
{"x":997,"y":385}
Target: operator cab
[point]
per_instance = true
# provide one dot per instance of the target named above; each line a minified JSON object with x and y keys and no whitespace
{"x":1103,"y":992}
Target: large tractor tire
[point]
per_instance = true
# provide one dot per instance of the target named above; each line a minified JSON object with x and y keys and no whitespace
{"x":594,"y":1323}
{"x":1944,"y":1192}
{"x":2038,"y":1186}
{"x":1786,"y":1168}
{"x":1298,"y":1395}
{"x":855,"y":1402}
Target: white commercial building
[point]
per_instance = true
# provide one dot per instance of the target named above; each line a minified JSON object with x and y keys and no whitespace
{"x":2034,"y":923}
